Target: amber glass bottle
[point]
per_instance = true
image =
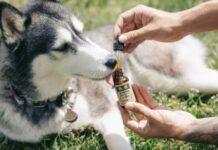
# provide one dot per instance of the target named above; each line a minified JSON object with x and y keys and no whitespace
{"x":122,"y":87}
{"x":121,"y":83}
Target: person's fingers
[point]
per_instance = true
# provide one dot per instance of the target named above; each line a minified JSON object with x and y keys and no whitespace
{"x":128,"y":16}
{"x":130,"y":123}
{"x":123,"y":19}
{"x":131,"y":47}
{"x":134,"y":36}
{"x":124,"y":113}
{"x":129,"y":27}
{"x":147,"y":98}
{"x":140,"y":128}
{"x":141,"y":109}
{"x":143,"y":123}
{"x":138,"y":95}
{"x":117,"y":31}
{"x":139,"y":99}
{"x":133,"y":125}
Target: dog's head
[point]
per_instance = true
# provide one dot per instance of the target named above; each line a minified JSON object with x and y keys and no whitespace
{"x":46,"y":47}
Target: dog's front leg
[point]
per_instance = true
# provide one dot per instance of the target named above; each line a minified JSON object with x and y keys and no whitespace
{"x":112,"y":128}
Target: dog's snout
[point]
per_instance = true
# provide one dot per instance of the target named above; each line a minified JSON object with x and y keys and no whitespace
{"x":111,"y":63}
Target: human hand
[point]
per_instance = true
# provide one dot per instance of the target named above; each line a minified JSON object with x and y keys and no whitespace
{"x":145,"y":23}
{"x":154,"y":120}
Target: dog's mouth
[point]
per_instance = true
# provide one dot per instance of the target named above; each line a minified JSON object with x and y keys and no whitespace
{"x":109,"y":80}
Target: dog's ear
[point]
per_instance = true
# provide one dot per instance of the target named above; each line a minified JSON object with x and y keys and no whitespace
{"x":12,"y":23}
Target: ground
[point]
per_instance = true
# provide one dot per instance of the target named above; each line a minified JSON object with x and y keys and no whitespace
{"x":95,"y":13}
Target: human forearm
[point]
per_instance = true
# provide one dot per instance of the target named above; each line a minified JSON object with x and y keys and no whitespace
{"x":201,"y":131}
{"x":155,"y":122}
{"x":201,"y":18}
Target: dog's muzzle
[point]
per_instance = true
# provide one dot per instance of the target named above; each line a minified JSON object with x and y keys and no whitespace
{"x":111,"y":63}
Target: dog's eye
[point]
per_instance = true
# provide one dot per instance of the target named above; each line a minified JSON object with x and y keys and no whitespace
{"x":64,"y":47}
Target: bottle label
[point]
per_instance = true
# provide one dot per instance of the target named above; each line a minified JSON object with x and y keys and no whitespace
{"x":125,"y":93}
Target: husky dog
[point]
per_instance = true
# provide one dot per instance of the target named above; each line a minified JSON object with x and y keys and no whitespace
{"x":42,"y":53}
{"x":171,"y":67}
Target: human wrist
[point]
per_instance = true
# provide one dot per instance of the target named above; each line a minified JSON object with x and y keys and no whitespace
{"x":203,"y":131}
{"x":182,"y":130}
{"x":184,"y":21}
{"x":176,"y":25}
{"x":178,"y":132}
{"x":192,"y":127}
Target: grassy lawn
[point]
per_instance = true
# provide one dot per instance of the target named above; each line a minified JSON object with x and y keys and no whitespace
{"x":96,"y":13}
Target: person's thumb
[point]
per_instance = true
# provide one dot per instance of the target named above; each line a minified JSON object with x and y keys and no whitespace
{"x":133,"y":36}
{"x":140,"y":109}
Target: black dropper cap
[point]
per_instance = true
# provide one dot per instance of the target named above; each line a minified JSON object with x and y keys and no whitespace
{"x":118,"y":46}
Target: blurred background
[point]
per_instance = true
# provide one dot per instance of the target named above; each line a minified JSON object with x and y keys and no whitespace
{"x":96,"y":13}
{"x":99,"y":12}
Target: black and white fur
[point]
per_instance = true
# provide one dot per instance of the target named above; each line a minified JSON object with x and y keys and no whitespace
{"x":43,"y":52}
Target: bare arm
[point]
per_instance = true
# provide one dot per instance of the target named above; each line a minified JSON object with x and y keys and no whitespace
{"x":201,"y":18}
{"x":202,"y":131}
{"x":146,"y":23}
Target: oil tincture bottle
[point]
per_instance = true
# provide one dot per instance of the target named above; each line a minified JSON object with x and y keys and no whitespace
{"x":121,"y":83}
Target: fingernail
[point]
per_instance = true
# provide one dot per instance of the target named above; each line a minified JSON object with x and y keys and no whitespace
{"x":122,"y":38}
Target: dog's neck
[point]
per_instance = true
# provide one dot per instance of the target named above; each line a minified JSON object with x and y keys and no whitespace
{"x":17,"y":95}
{"x":45,"y":89}
{"x":21,"y":101}
{"x":42,"y":88}
{"x":52,"y":85}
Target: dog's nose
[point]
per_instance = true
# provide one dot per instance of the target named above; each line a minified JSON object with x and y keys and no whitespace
{"x":111,"y":63}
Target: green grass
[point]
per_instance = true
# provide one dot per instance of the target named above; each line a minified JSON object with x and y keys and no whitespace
{"x":95,"y":13}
